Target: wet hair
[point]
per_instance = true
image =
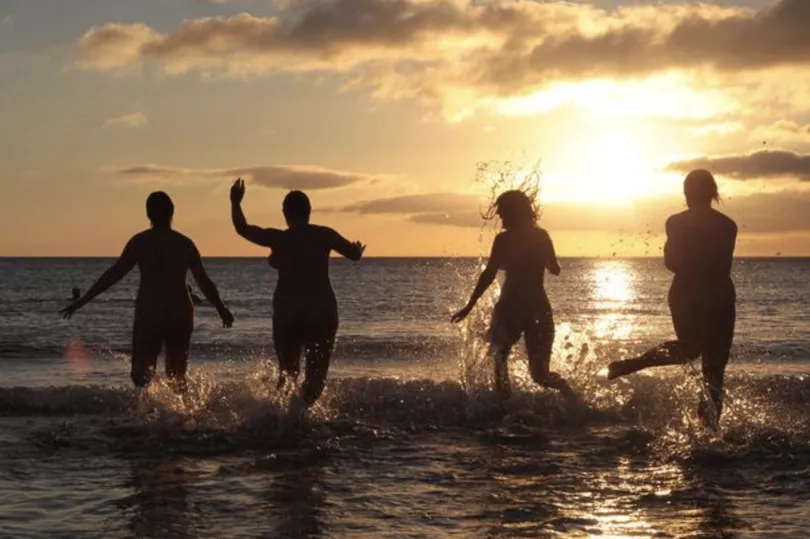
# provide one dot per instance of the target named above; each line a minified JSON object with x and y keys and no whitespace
{"x":515,"y":208}
{"x":296,"y":206}
{"x":159,"y":209}
{"x":700,"y":187}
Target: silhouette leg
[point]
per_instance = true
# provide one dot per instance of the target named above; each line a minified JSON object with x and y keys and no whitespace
{"x":539,"y":339}
{"x":288,"y":344}
{"x":500,"y":359}
{"x":146,"y":344}
{"x":711,"y":401}
{"x":669,"y":353}
{"x":177,"y":345}
{"x":715,"y":359}
{"x":502,"y":335}
{"x":317,"y":355}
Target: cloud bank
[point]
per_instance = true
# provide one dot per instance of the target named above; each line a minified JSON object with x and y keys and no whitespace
{"x":446,"y":50}
{"x":762,"y":164}
{"x":273,"y":176}
{"x":783,"y":211}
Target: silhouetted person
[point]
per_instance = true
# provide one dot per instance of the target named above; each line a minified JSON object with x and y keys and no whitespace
{"x":164,"y":315}
{"x":524,"y":251}
{"x":195,"y":299}
{"x":77,"y":293}
{"x":699,"y":251}
{"x":305,"y":314}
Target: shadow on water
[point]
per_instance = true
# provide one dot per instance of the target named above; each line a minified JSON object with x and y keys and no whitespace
{"x":294,"y":499}
{"x":160,"y":505}
{"x":706,"y":495}
{"x":255,"y":482}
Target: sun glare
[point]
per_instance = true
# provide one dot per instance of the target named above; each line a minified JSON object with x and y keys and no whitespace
{"x":607,"y":169}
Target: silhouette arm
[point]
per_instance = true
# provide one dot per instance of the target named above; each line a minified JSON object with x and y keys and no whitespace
{"x":351,"y":250}
{"x":207,"y":286}
{"x":484,"y":281}
{"x":115,"y":273}
{"x":731,"y":245}
{"x":552,"y":264}
{"x":266,"y":237}
{"x":672,"y":254}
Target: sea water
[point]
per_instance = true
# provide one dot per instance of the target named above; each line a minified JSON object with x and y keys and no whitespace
{"x":408,"y":439}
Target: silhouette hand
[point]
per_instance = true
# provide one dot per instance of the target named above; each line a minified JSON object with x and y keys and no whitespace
{"x":461,"y":315}
{"x":238,"y":191}
{"x":68,"y":311}
{"x":226,"y":316}
{"x":360,"y":248}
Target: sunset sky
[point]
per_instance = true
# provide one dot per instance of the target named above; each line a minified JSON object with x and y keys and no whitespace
{"x":381,"y":111}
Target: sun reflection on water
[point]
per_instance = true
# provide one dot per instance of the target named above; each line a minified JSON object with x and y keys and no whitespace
{"x":612,"y":294}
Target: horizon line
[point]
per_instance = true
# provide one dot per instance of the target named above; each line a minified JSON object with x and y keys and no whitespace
{"x":399,"y":257}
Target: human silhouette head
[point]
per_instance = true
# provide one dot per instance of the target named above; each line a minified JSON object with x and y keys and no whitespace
{"x":515,"y":208}
{"x":159,"y":209}
{"x":700,"y":189}
{"x":296,"y":208}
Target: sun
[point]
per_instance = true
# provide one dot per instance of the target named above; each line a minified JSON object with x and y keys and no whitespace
{"x":607,"y":168}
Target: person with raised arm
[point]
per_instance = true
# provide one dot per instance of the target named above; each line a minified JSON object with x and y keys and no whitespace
{"x":305,"y":310}
{"x":164,"y":313}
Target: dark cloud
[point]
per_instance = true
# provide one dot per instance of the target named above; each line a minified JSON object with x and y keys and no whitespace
{"x":782,"y":211}
{"x":416,"y":204}
{"x":286,"y":177}
{"x":299,"y":177}
{"x":502,"y":47}
{"x":701,"y":37}
{"x":761,"y":164}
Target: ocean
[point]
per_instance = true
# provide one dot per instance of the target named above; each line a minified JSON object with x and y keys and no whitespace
{"x":408,"y":439}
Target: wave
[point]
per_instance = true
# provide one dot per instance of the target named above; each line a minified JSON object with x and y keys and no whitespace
{"x":766,"y":418}
{"x":358,"y":347}
{"x":355,"y":347}
{"x":643,"y":400}
{"x":29,"y":351}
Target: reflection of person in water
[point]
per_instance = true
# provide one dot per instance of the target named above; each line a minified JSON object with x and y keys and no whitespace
{"x":164,"y":314}
{"x":296,"y":499}
{"x":699,"y":251}
{"x":160,"y":504}
{"x":305,"y":315}
{"x":524,"y":251}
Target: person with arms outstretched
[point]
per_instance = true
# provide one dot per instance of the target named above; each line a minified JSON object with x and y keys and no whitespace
{"x":524,"y":251}
{"x":164,"y":314}
{"x":305,"y":312}
{"x":699,"y":252}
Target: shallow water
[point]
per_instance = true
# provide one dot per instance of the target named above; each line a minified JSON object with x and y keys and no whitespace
{"x":407,"y":440}
{"x":382,"y":457}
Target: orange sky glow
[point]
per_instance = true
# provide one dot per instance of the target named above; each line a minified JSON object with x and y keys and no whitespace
{"x":385,"y":125}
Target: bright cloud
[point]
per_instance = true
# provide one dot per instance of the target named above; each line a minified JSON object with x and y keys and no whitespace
{"x":136,"y":119}
{"x":508,"y":55}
